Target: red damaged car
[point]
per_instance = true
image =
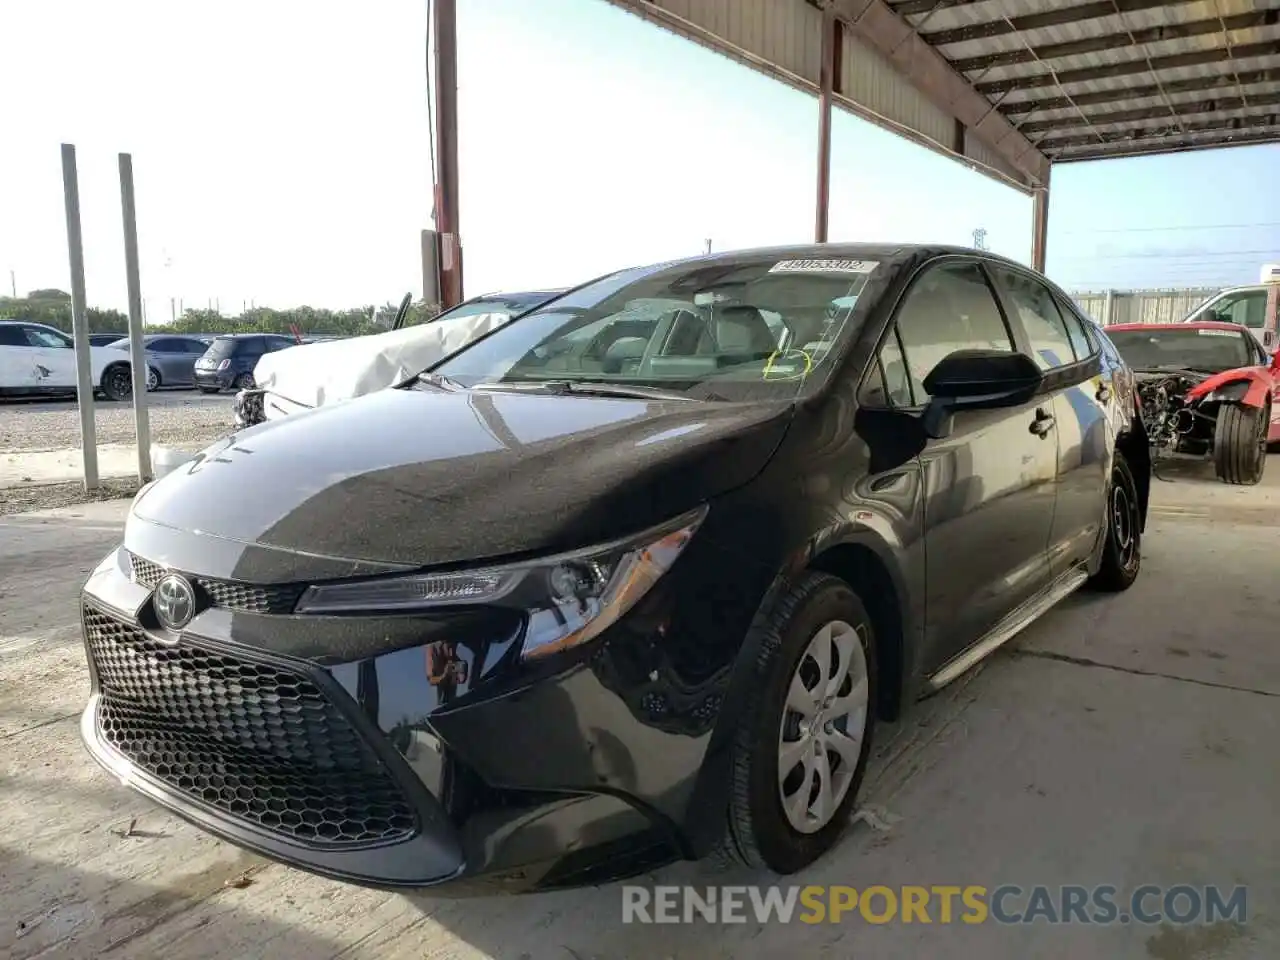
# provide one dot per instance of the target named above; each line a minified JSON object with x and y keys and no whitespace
{"x":1207,"y":390}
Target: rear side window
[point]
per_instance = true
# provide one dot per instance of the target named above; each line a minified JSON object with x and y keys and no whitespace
{"x":1081,"y":343}
{"x":1050,"y":342}
{"x":951,"y":307}
{"x":11,"y":335}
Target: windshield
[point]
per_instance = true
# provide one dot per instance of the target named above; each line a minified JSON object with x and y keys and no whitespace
{"x":757,"y":329}
{"x":221,"y":348}
{"x":1192,"y":349}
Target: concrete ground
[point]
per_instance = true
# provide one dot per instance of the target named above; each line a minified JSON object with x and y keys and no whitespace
{"x":1123,"y":740}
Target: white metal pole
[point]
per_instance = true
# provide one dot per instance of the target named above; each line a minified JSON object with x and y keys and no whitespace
{"x":137,"y":354}
{"x":79,"y":320}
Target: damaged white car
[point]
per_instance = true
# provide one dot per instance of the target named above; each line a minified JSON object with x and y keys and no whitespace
{"x":316,"y":374}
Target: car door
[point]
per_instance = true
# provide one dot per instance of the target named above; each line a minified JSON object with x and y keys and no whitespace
{"x":54,"y":355}
{"x":1246,"y":307}
{"x":988,"y":485}
{"x":1079,"y":393}
{"x":17,"y":358}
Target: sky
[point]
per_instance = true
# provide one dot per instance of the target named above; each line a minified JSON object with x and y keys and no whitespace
{"x":281,"y":156}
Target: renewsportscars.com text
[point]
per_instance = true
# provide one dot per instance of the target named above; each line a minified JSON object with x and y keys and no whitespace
{"x":972,"y":904}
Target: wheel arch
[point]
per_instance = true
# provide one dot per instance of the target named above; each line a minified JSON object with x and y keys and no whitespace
{"x":862,"y":567}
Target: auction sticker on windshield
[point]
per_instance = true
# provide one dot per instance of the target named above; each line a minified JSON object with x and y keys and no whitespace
{"x":824,"y":266}
{"x":1210,"y":332}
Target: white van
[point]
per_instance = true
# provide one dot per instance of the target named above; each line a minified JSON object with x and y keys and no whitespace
{"x":39,"y":360}
{"x":1254,"y":306}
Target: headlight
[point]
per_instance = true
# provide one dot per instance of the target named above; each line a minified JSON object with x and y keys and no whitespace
{"x":567,"y":599}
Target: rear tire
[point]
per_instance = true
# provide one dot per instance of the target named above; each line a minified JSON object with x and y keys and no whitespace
{"x":785,"y":819}
{"x":1240,"y":443}
{"x":1122,"y":549}
{"x":117,"y":382}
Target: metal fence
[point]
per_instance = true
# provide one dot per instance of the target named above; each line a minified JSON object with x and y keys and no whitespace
{"x":1141,"y":306}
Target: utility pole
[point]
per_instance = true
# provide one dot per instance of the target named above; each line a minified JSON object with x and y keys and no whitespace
{"x":445,"y":28}
{"x":13,"y":284}
{"x":980,"y":239}
{"x":708,"y":244}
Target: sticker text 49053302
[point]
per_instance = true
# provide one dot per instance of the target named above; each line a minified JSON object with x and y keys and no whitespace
{"x":824,"y":266}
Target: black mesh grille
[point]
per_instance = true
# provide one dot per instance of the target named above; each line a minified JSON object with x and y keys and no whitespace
{"x":228,"y":594}
{"x":256,"y":741}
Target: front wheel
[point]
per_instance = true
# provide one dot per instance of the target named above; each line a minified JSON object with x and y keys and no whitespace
{"x":1240,"y":443}
{"x":117,"y":382}
{"x":801,"y":752}
{"x":1122,"y":549}
{"x":153,"y":380}
{"x":243,"y":382}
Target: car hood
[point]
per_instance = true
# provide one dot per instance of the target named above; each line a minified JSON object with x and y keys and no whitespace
{"x":422,"y":477}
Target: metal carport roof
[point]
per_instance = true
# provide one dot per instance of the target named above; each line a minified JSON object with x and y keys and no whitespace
{"x":1012,"y":86}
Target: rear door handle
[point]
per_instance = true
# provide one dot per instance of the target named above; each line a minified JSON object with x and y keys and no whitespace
{"x":1043,"y":422}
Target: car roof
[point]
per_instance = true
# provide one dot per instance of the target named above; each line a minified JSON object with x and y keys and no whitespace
{"x":1176,"y":325}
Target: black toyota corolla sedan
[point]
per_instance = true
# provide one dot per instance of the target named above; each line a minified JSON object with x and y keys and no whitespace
{"x":628,"y":581}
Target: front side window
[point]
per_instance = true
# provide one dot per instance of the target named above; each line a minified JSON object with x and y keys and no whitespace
{"x":1249,"y":309}
{"x":753,"y":328}
{"x":37,"y":337}
{"x":950,"y":308}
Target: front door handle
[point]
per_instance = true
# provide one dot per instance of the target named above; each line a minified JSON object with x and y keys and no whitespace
{"x":1104,"y":393}
{"x":1043,"y":422}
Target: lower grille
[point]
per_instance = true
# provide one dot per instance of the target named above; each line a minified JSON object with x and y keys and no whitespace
{"x":256,"y":741}
{"x":228,"y":594}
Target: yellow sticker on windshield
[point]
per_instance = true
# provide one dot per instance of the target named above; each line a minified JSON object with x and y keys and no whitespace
{"x":788,"y":365}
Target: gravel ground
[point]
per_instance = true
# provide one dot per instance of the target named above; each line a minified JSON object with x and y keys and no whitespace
{"x":180,"y":419}
{"x":183,"y":419}
{"x":49,"y":495}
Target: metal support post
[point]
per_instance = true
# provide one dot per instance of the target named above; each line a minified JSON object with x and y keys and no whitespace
{"x":1040,"y":225}
{"x":445,"y":31}
{"x":137,"y":353}
{"x":826,"y":91}
{"x":79,"y":319}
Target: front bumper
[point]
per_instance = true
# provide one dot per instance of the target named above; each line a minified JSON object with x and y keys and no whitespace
{"x":332,"y":745}
{"x":211,"y":379}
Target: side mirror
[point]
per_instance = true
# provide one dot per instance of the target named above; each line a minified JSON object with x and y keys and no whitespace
{"x":977,"y":380}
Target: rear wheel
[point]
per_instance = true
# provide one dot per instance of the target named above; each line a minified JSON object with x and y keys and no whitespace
{"x":117,"y":382}
{"x":153,"y":379}
{"x":1122,"y":550}
{"x":243,"y":382}
{"x":801,"y":753}
{"x":1240,"y":443}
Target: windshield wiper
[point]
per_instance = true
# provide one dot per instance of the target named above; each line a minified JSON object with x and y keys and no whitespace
{"x":586,"y":388}
{"x":437,"y":380}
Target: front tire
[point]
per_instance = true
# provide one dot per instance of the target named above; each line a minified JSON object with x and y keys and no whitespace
{"x":800,"y":755}
{"x":1122,"y":549}
{"x":153,"y":379}
{"x":1240,"y":443}
{"x":117,"y":382}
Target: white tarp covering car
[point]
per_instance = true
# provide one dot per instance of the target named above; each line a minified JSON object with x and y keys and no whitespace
{"x":315,"y":374}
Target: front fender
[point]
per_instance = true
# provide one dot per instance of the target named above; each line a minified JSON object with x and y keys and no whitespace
{"x":1249,"y":386}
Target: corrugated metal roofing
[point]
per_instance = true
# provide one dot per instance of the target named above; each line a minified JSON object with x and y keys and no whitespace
{"x":1089,"y":79}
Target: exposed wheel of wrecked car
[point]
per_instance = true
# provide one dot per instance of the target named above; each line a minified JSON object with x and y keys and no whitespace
{"x":117,"y":382}
{"x":1122,"y":550}
{"x":799,"y":760}
{"x":1240,"y":443}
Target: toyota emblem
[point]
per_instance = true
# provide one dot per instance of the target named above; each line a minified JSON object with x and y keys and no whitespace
{"x":175,"y":602}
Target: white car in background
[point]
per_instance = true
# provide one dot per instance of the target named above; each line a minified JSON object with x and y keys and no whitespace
{"x":39,"y":360}
{"x":1256,"y":306}
{"x":315,"y":374}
